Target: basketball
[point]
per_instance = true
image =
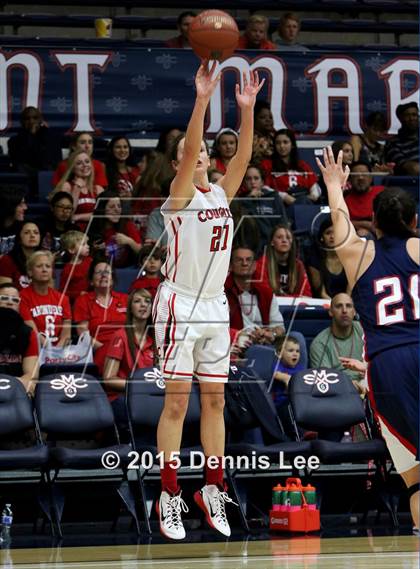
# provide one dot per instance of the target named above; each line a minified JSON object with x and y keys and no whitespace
{"x":213,"y":34}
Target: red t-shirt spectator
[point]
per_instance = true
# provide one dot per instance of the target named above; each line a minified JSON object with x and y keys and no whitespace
{"x":99,"y":174}
{"x":74,"y":278}
{"x":150,"y":284}
{"x":243,"y":43}
{"x":120,"y":254}
{"x":303,"y":287}
{"x":304,"y":177}
{"x":361,"y":204}
{"x":118,"y":349}
{"x":47,"y":311}
{"x":103,"y":321}
{"x":9,"y":269}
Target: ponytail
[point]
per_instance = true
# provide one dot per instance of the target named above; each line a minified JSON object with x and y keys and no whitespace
{"x":394,"y":211}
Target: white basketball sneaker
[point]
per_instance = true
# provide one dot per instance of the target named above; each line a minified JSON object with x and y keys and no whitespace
{"x":212,"y":501}
{"x":169,"y":511}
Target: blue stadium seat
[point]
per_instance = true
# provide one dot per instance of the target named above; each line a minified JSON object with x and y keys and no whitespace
{"x":124,"y":278}
{"x":45,"y":184}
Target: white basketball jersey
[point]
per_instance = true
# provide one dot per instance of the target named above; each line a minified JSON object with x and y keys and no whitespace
{"x":199,"y":243}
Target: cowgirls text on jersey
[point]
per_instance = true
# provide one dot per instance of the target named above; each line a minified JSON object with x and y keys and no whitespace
{"x":47,"y":309}
{"x":213,"y":213}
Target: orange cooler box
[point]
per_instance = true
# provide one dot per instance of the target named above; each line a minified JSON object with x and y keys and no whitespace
{"x":304,"y":520}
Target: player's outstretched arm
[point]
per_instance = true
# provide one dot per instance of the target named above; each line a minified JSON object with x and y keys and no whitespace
{"x":246,"y":98}
{"x":182,"y":188}
{"x":349,"y":247}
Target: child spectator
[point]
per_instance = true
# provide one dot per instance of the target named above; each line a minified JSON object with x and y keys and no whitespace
{"x":224,"y":149}
{"x":74,"y":279}
{"x":44,"y":309}
{"x":13,"y":265}
{"x":150,"y":260}
{"x":255,"y":36}
{"x":288,"y":354}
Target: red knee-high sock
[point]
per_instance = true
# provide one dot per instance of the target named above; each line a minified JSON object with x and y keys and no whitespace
{"x":168,"y":476}
{"x":214,"y":475}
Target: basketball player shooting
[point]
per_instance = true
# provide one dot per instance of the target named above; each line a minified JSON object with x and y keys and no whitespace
{"x":190,"y":311}
{"x":384,"y":278}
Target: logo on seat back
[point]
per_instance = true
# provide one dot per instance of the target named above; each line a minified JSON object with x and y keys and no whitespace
{"x":69,"y":384}
{"x":4,"y":383}
{"x":156,"y":376}
{"x":321,"y":379}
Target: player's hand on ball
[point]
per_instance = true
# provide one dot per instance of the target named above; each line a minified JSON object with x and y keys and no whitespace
{"x":206,"y":79}
{"x":250,"y":89}
{"x":332,"y":171}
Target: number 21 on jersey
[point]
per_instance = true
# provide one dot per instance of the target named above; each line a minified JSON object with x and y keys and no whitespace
{"x":391,"y":309}
{"x":219,"y":239}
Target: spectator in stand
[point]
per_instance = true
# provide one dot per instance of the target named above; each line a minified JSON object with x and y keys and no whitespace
{"x":13,"y":265}
{"x":263,"y":119}
{"x":326,"y":271}
{"x":78,"y":181}
{"x":280,"y":269}
{"x":156,"y":232}
{"x":288,"y":30}
{"x":224,"y":149}
{"x":342,"y":339}
{"x":262,"y":148}
{"x":57,"y":222}
{"x":367,"y":146}
{"x":287,"y":364}
{"x":18,"y":341}
{"x":262,"y":203}
{"x":82,"y":141}
{"x":12,"y":213}
{"x":183,"y":23}
{"x":360,"y":198}
{"x":214,"y":175}
{"x":348,"y":159}
{"x":43,"y":308}
{"x":121,"y":173}
{"x":150,"y":260}
{"x":113,"y":233}
{"x":403,"y":149}
{"x":246,"y":230}
{"x":255,"y":36}
{"x":34,"y":147}
{"x":101,"y":311}
{"x":164,"y":150}
{"x":130,"y":348}
{"x":293,"y":178}
{"x":254,"y":310}
{"x":74,"y":279}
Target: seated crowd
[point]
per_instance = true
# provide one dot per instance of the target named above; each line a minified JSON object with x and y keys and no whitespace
{"x":105,"y":217}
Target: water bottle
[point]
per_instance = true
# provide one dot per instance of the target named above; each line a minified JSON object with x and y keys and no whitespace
{"x":276,"y":496}
{"x":309,"y":492}
{"x":6,"y":523}
{"x":347,"y":438}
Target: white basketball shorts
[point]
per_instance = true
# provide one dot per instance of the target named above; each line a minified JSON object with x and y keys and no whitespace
{"x":192,"y":336}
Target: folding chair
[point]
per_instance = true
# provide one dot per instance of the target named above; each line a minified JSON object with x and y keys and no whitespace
{"x":325,"y":399}
{"x":145,"y":393}
{"x":17,"y":419}
{"x":72,"y":408}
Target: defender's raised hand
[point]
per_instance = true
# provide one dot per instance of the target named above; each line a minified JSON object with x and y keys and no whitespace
{"x":250,"y":90}
{"x":332,"y":171}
